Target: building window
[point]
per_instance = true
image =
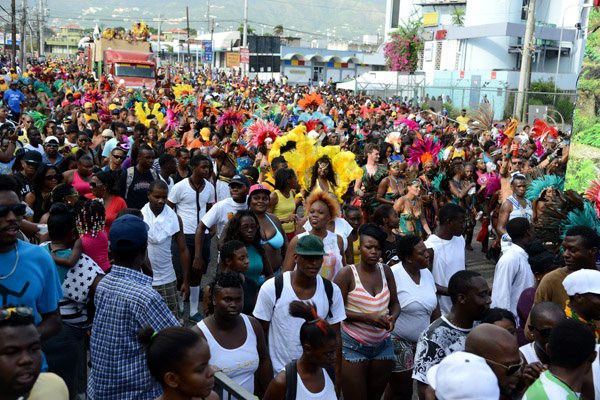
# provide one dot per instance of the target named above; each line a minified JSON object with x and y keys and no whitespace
{"x":524,"y":10}
{"x":438,"y":54}
{"x":395,"y":13}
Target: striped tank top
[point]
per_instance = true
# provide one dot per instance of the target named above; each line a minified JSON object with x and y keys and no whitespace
{"x":361,"y":301}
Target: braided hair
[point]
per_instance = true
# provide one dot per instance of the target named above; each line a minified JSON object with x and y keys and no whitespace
{"x":91,"y":217}
{"x":223,"y":280}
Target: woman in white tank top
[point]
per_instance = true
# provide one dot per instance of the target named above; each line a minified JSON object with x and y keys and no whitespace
{"x":311,"y":377}
{"x":236,"y":341}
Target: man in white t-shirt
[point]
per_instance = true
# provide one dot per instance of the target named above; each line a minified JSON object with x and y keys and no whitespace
{"x":513,"y":273}
{"x":282,"y":330}
{"x":219,"y":214}
{"x":192,"y":198}
{"x":447,"y":247}
{"x":164,"y":227}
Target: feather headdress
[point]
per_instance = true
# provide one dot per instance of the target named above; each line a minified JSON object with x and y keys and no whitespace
{"x":171,"y":120}
{"x":298,"y":150}
{"x":410,"y":124}
{"x":393,"y":138}
{"x":585,"y":216}
{"x":593,"y":194}
{"x":104,"y":114}
{"x":230,"y":118}
{"x":92,"y":96}
{"x":317,"y":116}
{"x":541,"y":129}
{"x":537,"y":186}
{"x":423,"y":151}
{"x":145,"y":114}
{"x":310,"y":101}
{"x":260,"y":130}
{"x":481,"y":121}
{"x":184,"y":94}
{"x":39,"y":119}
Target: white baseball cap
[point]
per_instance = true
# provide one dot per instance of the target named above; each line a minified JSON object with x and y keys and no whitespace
{"x":582,"y":281}
{"x":463,"y":376}
{"x":51,"y":139}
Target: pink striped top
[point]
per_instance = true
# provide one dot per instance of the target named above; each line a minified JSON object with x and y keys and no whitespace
{"x":360,"y":300}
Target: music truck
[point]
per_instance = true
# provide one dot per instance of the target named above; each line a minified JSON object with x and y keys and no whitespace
{"x":130,"y":61}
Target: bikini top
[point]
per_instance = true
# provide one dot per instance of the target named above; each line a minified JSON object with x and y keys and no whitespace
{"x":276,"y":242}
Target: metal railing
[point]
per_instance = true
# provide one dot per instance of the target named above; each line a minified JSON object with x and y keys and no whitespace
{"x":229,"y":390}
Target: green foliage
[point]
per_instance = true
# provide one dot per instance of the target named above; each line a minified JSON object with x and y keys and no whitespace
{"x":590,"y":136}
{"x":453,"y":112}
{"x":580,"y":172}
{"x":241,"y":29}
{"x":544,"y":93}
{"x":458,"y":16}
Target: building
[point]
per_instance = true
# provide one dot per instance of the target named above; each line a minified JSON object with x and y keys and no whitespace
{"x":65,"y":41}
{"x":473,"y":47}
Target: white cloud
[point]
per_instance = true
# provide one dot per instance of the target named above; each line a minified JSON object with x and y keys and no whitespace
{"x":91,"y":10}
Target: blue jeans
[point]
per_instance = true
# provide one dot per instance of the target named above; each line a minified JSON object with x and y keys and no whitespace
{"x":354,"y":351}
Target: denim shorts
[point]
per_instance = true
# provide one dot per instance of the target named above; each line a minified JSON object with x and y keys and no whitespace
{"x":354,"y":351}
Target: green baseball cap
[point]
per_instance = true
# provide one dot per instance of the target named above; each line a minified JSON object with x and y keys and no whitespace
{"x":310,"y":245}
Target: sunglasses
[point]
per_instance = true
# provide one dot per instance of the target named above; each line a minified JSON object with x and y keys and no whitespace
{"x":544,"y":332}
{"x":23,"y":312}
{"x":95,"y":185}
{"x":51,"y":177}
{"x":510,"y":369}
{"x":18,"y":209}
{"x":118,"y":157}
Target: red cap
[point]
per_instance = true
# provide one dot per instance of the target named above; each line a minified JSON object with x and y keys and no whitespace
{"x":172,"y":143}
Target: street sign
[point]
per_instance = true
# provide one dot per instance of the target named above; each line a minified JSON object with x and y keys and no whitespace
{"x":232,"y":59}
{"x":244,"y":55}
{"x":208,"y":51}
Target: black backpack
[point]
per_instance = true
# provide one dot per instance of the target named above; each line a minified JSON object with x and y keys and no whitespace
{"x":328,"y":291}
{"x":291,"y":377}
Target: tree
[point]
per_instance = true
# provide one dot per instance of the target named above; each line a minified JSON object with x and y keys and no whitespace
{"x":458,"y":16}
{"x":241,"y":29}
{"x":404,"y":49}
{"x":278,"y":30}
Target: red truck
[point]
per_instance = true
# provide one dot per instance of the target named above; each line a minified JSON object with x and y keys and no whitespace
{"x":132,"y":62}
{"x":135,"y":68}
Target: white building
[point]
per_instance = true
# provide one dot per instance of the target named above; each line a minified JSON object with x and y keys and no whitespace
{"x":486,"y":51}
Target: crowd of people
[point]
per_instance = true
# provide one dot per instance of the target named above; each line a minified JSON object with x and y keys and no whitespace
{"x":306,"y":242}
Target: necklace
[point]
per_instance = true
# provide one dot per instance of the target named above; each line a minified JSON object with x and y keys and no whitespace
{"x":14,"y":267}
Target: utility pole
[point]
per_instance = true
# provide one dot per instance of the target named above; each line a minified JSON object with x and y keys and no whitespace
{"x":23,"y":25}
{"x":187,"y":17}
{"x":159,"y":26}
{"x":525,"y":61}
{"x":245,"y":35}
{"x":13,"y":30}
{"x":207,"y":16}
{"x":41,"y":23}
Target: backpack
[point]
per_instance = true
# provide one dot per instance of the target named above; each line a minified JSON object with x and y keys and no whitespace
{"x":291,"y":378}
{"x":328,"y":291}
{"x":129,"y":181}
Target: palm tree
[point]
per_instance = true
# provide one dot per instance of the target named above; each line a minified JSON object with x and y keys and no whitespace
{"x":278,"y":30}
{"x":458,"y":16}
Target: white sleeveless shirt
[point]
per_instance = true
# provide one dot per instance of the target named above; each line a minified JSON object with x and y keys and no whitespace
{"x":328,"y":392}
{"x":238,"y":364}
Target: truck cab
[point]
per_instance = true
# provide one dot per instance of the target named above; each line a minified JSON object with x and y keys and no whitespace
{"x":136,"y":69}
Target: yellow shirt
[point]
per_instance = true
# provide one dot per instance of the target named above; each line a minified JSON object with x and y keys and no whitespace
{"x":463,"y":121}
{"x":285,"y":207}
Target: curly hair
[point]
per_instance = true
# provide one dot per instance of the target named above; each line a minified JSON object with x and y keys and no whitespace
{"x":315,"y":172}
{"x":330,"y":201}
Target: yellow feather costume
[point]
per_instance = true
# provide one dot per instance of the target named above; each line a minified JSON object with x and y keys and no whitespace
{"x":142,"y":111}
